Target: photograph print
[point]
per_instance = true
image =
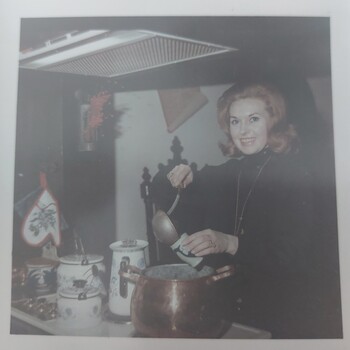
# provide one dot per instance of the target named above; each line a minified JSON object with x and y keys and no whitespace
{"x":175,"y":178}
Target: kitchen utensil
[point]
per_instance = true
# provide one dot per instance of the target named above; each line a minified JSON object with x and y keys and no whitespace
{"x":165,"y":232}
{"x":124,"y":253}
{"x":177,"y":301}
{"x":79,"y":247}
{"x":176,"y":201}
{"x":88,"y":267}
{"x":163,"y":228}
{"x":79,"y":306}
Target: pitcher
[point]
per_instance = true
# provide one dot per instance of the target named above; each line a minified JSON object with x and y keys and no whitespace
{"x":127,"y":252}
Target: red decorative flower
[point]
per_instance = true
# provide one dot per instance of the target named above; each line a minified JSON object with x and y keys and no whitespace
{"x":97,"y":103}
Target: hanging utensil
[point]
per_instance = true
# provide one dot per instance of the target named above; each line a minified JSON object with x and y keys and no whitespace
{"x":176,"y":201}
{"x":80,"y":247}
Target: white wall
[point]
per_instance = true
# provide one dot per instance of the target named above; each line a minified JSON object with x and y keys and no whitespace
{"x":146,"y":142}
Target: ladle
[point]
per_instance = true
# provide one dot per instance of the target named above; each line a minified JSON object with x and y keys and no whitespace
{"x":176,"y":201}
{"x":163,"y":228}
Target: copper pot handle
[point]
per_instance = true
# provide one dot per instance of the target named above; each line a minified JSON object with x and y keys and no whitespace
{"x":221,"y":273}
{"x":131,"y":273}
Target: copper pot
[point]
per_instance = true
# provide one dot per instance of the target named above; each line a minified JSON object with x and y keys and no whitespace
{"x":177,"y":301}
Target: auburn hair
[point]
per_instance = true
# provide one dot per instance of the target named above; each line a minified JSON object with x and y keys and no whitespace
{"x":282,"y":136}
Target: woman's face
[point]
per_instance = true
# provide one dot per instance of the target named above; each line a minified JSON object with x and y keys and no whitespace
{"x":249,"y":125}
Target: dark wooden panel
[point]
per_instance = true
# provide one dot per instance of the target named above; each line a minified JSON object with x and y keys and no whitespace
{"x":83,"y":182}
{"x":38,"y":142}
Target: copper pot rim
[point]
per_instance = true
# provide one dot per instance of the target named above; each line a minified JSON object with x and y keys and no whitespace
{"x":134,"y":274}
{"x":212,"y":272}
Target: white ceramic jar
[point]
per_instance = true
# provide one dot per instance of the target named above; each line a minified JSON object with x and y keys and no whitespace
{"x":79,"y":267}
{"x":79,"y":307}
{"x":127,"y":252}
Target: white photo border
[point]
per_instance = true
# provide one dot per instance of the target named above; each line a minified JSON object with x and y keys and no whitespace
{"x":10,"y":14}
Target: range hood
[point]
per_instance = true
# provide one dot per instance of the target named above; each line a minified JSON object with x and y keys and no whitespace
{"x":103,"y":53}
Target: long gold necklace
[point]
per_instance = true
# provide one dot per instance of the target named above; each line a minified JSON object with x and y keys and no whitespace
{"x":239,"y":219}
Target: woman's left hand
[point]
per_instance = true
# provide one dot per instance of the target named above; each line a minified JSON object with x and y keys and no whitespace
{"x":210,"y":242}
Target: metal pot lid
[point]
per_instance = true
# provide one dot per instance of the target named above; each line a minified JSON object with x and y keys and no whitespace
{"x":129,"y":245}
{"x":176,"y":272}
{"x":77,"y":259}
{"x":79,"y":293}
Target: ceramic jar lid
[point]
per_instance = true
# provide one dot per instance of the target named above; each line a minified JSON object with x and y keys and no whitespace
{"x":79,"y":291}
{"x":129,"y":245}
{"x":78,"y":259}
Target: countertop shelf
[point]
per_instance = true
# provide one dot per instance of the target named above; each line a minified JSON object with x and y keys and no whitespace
{"x":109,"y":328}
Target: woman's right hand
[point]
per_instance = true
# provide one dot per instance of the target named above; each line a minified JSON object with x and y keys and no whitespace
{"x":180,"y":176}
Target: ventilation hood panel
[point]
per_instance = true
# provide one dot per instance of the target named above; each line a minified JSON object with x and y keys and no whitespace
{"x":110,"y":54}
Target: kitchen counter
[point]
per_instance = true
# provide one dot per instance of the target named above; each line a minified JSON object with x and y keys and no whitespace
{"x":108,"y":328}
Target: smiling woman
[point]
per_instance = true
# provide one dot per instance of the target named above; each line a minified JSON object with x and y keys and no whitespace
{"x":258,"y":212}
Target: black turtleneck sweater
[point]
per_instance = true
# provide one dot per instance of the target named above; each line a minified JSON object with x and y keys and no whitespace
{"x":277,"y":242}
